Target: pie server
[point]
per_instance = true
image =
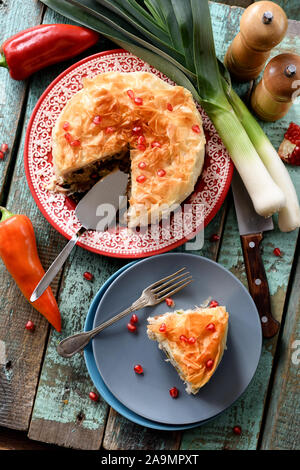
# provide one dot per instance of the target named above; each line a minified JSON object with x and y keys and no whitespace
{"x":96,"y":211}
{"x":251,"y":226}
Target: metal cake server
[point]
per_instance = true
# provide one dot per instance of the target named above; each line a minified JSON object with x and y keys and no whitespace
{"x":103,"y":199}
{"x":251,"y":226}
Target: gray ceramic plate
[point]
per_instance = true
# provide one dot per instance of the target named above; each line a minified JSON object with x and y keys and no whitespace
{"x":116,"y":350}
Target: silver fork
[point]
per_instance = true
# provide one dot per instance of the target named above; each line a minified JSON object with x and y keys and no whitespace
{"x":152,"y":295}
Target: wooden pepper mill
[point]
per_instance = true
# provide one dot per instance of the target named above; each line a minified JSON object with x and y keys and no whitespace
{"x":273,"y":96}
{"x":263,"y":25}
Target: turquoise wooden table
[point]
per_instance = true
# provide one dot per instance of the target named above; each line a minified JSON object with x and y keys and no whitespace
{"x":46,"y":397}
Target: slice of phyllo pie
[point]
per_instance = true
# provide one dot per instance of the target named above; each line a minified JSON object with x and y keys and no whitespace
{"x":193,"y":340}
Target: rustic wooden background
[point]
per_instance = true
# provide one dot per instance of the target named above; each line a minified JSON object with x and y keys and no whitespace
{"x":44,"y":402}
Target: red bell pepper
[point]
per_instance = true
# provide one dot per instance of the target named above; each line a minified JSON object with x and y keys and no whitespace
{"x":35,"y":48}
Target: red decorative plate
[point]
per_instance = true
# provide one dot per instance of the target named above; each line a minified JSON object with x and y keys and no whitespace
{"x":210,"y":190}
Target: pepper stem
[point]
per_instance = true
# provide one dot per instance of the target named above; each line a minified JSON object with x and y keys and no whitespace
{"x":5,"y":214}
{"x":3,"y":62}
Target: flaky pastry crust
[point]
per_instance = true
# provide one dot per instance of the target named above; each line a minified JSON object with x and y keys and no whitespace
{"x":165,"y":115}
{"x":191,"y":360}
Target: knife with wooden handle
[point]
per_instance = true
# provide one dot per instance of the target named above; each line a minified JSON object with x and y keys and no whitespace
{"x":251,"y":228}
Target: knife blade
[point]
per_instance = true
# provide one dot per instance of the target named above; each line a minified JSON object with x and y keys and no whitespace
{"x":251,"y":228}
{"x":107,"y":192}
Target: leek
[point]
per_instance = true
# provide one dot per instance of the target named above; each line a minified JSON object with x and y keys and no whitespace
{"x":175,"y":36}
{"x":289,"y":215}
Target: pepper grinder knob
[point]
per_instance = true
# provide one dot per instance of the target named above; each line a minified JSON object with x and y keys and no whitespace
{"x":267,"y":17}
{"x":263,"y":25}
{"x":273,"y":96}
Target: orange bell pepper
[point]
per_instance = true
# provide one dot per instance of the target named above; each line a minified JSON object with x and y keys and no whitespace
{"x":19,"y":253}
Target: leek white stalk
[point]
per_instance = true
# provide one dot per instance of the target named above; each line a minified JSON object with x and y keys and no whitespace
{"x":265,"y":194}
{"x":289,"y":215}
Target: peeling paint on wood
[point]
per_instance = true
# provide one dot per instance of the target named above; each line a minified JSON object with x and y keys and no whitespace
{"x":12,"y":92}
{"x":281,"y":430}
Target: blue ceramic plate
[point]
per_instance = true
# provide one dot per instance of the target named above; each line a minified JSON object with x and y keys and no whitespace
{"x":116,"y":351}
{"x":96,"y":377}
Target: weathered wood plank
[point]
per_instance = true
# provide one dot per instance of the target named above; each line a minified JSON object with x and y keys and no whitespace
{"x":248,"y":411}
{"x":22,"y":352}
{"x":237,"y":3}
{"x":281,"y":430}
{"x":121,"y":434}
{"x":13,"y":93}
{"x":17,"y":440}
{"x":18,"y":374}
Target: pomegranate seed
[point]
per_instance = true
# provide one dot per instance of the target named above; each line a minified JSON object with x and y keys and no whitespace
{"x":97,"y":120}
{"x":295,"y":156}
{"x":68,"y":137}
{"x":134,"y":318}
{"x":138,"y":369}
{"x":169,"y":107}
{"x":173,"y":392}
{"x":141,"y":179}
{"x":138,"y":101}
{"x":94,"y":396}
{"x":277,"y":252}
{"x":141,"y":140}
{"x":293,"y":133}
{"x":30,"y":326}
{"x":161,"y":173}
{"x":142,"y":147}
{"x":75,"y":143}
{"x":88,"y":276}
{"x":209,"y":364}
{"x":213,"y":304}
{"x":192,"y":340}
{"x":215,"y":237}
{"x":1,"y":155}
{"x":170,"y":302}
{"x":137,"y":130}
{"x":196,"y":129}
{"x":237,"y":430}
{"x":130,"y":94}
{"x":131,"y":327}
{"x":4,"y":148}
{"x":211,"y":327}
{"x":109,"y":130}
{"x":142,"y":165}
{"x":66,"y":126}
{"x":183,"y":338}
{"x":163,"y":328}
{"x":155,"y":145}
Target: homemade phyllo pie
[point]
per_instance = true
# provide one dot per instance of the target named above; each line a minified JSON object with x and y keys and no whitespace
{"x":136,"y":122}
{"x":193,"y":340}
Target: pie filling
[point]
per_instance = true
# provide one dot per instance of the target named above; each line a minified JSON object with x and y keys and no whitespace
{"x":80,"y":181}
